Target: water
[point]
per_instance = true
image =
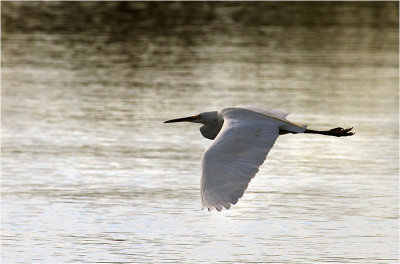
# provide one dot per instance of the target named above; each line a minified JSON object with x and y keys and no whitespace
{"x":90,"y":173}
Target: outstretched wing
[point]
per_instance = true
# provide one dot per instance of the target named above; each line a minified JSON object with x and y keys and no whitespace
{"x":265,"y":111}
{"x":277,"y":114}
{"x":233,"y":159}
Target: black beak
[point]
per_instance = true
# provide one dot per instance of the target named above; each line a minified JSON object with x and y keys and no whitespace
{"x":185,"y":119}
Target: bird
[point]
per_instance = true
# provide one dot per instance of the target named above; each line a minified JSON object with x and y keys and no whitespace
{"x":242,"y":137}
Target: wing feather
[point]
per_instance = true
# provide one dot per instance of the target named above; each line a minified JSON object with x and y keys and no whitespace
{"x":234,"y":158}
{"x":265,"y":111}
{"x":277,"y":114}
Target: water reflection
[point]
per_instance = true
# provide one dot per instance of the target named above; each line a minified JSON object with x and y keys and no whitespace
{"x":89,"y":172}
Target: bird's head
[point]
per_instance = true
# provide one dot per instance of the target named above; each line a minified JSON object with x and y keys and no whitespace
{"x":203,"y":118}
{"x":211,"y":121}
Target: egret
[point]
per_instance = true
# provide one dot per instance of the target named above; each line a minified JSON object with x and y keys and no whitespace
{"x":243,"y":136}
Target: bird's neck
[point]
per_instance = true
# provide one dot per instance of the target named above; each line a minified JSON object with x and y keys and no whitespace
{"x":211,"y":129}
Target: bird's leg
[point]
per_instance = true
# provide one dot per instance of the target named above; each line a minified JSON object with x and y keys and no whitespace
{"x":337,"y":132}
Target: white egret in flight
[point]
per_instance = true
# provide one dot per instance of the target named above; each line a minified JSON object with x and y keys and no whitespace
{"x":243,"y":136}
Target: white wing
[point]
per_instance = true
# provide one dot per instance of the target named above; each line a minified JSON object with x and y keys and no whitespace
{"x":234,"y":157}
{"x":265,"y":111}
{"x":277,"y":114}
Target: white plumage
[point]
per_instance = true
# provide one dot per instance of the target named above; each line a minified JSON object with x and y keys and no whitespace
{"x":234,"y":158}
{"x":243,"y":136}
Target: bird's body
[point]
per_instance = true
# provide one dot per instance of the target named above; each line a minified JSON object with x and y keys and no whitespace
{"x":243,"y":136}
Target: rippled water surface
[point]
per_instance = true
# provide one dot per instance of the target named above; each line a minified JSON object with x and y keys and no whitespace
{"x":90,"y":174}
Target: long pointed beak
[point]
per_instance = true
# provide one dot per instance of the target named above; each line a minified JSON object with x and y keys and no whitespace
{"x":184,"y":119}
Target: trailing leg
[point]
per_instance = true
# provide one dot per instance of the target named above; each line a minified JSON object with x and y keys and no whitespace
{"x":337,"y":132}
